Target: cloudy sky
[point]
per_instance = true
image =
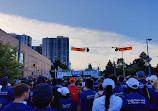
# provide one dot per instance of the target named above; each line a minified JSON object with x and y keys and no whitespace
{"x":98,"y":25}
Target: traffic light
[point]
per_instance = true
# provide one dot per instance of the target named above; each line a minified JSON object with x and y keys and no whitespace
{"x":87,"y":49}
{"x":34,"y":65}
{"x":116,"y":49}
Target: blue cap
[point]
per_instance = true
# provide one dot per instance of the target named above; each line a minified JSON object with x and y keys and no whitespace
{"x":140,"y":73}
{"x":42,"y":93}
{"x":4,"y":81}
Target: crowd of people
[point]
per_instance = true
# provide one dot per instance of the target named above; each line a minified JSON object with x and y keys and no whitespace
{"x":110,"y":93}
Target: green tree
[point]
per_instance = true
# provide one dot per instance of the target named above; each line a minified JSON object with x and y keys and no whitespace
{"x":9,"y":65}
{"x":90,"y":66}
{"x":109,"y":68}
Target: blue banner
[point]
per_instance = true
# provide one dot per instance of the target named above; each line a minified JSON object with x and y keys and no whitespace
{"x":77,"y":73}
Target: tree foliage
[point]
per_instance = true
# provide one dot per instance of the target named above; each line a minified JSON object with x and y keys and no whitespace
{"x":57,"y":63}
{"x":9,"y":65}
{"x":139,"y":64}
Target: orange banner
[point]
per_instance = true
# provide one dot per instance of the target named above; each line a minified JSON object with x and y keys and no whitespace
{"x":78,"y":49}
{"x":126,"y":48}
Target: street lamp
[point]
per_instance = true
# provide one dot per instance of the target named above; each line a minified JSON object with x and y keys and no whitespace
{"x":114,"y":66}
{"x":148,"y":55}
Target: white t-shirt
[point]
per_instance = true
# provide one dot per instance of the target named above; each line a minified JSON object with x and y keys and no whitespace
{"x":115,"y":104}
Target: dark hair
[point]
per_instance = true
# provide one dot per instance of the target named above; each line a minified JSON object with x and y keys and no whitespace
{"x":54,"y":82}
{"x":100,"y":87}
{"x":114,"y":78}
{"x":108,"y":93}
{"x":121,"y":78}
{"x":106,"y":76}
{"x":131,"y":90}
{"x":146,"y":93}
{"x":20,"y":89}
{"x":89,"y":83}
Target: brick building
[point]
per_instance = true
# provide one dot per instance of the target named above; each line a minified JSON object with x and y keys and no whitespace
{"x":28,"y":57}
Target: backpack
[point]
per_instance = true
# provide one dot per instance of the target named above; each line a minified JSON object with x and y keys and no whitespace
{"x":74,"y":93}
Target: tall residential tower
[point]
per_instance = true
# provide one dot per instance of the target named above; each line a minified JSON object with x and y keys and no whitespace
{"x":56,"y":49}
{"x":27,"y":40}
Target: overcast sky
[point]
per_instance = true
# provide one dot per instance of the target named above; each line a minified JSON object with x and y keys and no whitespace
{"x":99,"y":25}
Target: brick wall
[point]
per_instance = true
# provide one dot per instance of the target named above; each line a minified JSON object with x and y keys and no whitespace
{"x":43,"y":64}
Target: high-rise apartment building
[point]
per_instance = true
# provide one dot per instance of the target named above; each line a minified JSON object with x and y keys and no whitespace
{"x":38,"y":48}
{"x":27,"y":40}
{"x":56,"y":49}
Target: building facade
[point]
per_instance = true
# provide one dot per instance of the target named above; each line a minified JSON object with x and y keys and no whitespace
{"x":38,"y":49}
{"x":56,"y":49}
{"x":28,"y":57}
{"x":27,"y":40}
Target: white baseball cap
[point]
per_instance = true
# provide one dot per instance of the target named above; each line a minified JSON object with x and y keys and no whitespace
{"x":63,"y":90}
{"x":153,"y":77}
{"x":108,"y":82}
{"x":133,"y":83}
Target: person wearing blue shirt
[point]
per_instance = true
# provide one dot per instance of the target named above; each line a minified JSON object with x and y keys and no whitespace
{"x":87,"y":97}
{"x":118,"y":90}
{"x":21,"y":92}
{"x":6,"y":93}
{"x":134,"y":101}
{"x":145,"y":88}
{"x":155,"y":85}
{"x":66,"y":102}
{"x":123,"y":84}
{"x":42,"y":97}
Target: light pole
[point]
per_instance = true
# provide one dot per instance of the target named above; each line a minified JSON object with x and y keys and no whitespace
{"x":148,"y":55}
{"x":114,"y":66}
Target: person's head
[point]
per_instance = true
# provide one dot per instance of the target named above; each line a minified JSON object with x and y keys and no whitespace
{"x":54,"y":82}
{"x":153,"y":77}
{"x":133,"y":85}
{"x":59,"y":81}
{"x":114,"y":78}
{"x":121,"y":78}
{"x":155,"y":84}
{"x":140,"y":75}
{"x":22,"y":91}
{"x":41,"y":79}
{"x":108,"y":85}
{"x":64,"y":91}
{"x":4,"y":81}
{"x":89,"y":84}
{"x":100,"y":87}
{"x":42,"y":95}
{"x":72,"y":81}
{"x":106,"y":76}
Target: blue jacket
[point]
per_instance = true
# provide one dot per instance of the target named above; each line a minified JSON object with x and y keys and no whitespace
{"x":7,"y":94}
{"x":135,"y":102}
{"x":118,"y":91}
{"x":86,"y":100}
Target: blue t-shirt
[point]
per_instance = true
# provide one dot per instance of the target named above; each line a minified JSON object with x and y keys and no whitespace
{"x":86,"y":100}
{"x":7,"y":94}
{"x":155,"y":103}
{"x":150,"y":87}
{"x":44,"y":109}
{"x":124,"y":86}
{"x":17,"y":107}
{"x":118,"y":91}
{"x":3,"y":102}
{"x":67,"y":104}
{"x":135,"y":102}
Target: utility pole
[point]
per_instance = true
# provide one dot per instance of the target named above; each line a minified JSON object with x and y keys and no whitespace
{"x":148,"y":55}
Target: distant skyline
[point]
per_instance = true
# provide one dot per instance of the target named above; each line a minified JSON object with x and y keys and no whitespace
{"x":87,"y":24}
